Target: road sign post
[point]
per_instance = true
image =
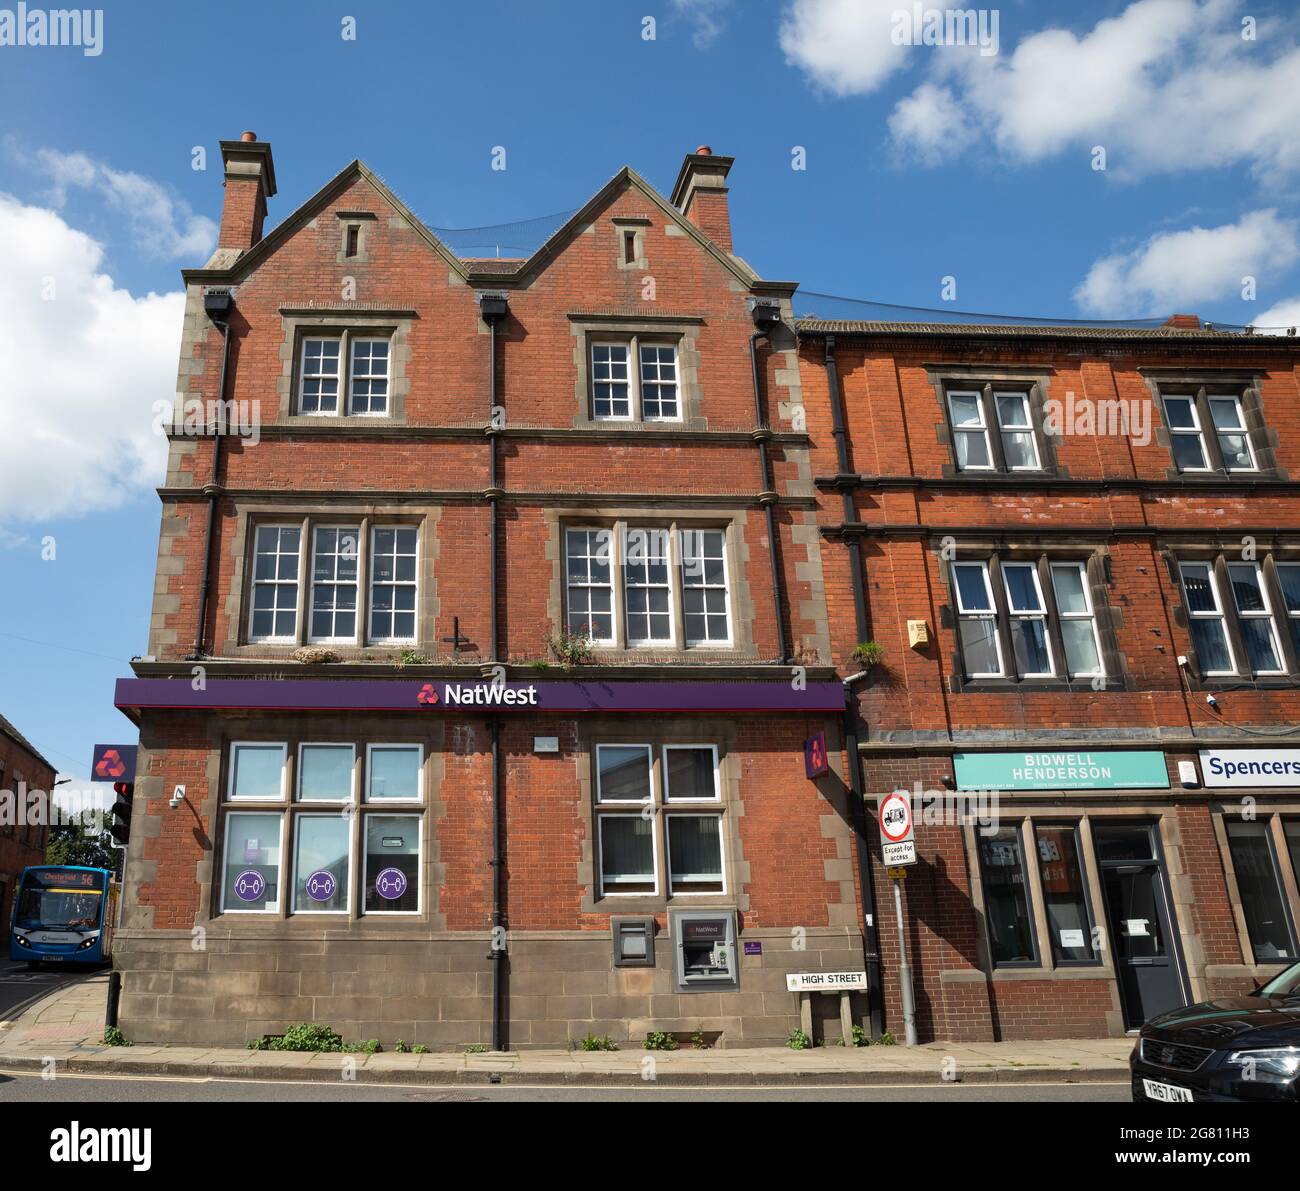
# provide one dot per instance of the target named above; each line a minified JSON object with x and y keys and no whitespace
{"x":898,"y":849}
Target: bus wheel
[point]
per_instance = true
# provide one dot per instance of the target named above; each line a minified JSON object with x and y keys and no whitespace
{"x":33,"y":965}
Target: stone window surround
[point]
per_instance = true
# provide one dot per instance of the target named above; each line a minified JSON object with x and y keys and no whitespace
{"x":293,"y":731}
{"x":1033,"y":381}
{"x":1033,"y":811}
{"x":238,"y":603}
{"x":1276,"y":814}
{"x":637,"y":226}
{"x":1108,"y":616}
{"x":683,"y":333}
{"x":299,"y":323}
{"x":656,"y":733}
{"x":1243,"y":386}
{"x":1268,"y":555}
{"x":361,"y":220}
{"x":740,"y":606}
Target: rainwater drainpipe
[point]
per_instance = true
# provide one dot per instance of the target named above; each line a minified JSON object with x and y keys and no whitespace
{"x":870,"y":937}
{"x":217,"y":304}
{"x":766,"y":315}
{"x":493,"y":308}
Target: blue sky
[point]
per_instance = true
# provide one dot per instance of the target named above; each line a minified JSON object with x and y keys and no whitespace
{"x":922,"y":162}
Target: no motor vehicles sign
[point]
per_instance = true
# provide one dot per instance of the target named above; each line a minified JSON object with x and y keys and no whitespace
{"x":896,"y":843}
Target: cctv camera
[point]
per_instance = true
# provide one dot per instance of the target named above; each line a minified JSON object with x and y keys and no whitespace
{"x":1212,"y":701}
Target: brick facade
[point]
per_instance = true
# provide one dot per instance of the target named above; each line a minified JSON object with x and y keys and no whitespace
{"x":22,"y":771}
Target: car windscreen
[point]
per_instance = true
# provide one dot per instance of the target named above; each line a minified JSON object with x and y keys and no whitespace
{"x":1285,"y":984}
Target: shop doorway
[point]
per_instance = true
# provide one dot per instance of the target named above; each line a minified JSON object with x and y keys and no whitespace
{"x":1141,"y":931}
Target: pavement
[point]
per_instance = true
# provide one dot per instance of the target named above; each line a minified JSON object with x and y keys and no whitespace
{"x":67,"y":1027}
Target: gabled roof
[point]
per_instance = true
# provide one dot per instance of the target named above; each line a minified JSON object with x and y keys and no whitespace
{"x":7,"y":729}
{"x":493,"y":271}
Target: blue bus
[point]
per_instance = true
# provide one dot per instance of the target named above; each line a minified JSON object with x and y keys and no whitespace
{"x":63,"y":914}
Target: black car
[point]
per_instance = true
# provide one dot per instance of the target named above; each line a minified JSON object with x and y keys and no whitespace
{"x":1233,"y":1049}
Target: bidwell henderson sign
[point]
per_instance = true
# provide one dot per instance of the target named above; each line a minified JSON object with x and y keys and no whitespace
{"x":1094,"y":769}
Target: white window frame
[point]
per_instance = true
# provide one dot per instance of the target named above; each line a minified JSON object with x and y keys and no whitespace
{"x":1218,"y":614}
{"x":1291,"y":614}
{"x":293,"y":879}
{"x":726,"y":588}
{"x":419,"y":865}
{"x":350,"y":798}
{"x":615,"y":587}
{"x":1266,"y":615}
{"x":1089,"y":614}
{"x":979,"y":614}
{"x":716,"y":797}
{"x":414,"y":584}
{"x":418,"y":800}
{"x":340,"y":377}
{"x":642,"y":346}
{"x":1026,"y":428}
{"x":648,"y":800}
{"x":1014,"y":614}
{"x":722,"y":857}
{"x":255,"y":583}
{"x":387,"y":377}
{"x":1197,"y":430}
{"x":310,"y":610}
{"x":278,"y":816}
{"x":1210,"y":399}
{"x":664,"y":536}
{"x":627,"y":346}
{"x":235,"y":745}
{"x":983,"y":429}
{"x":601,"y":816}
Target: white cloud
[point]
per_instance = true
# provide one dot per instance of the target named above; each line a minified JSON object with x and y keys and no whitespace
{"x":1164,"y":86}
{"x":162,"y":226}
{"x":843,"y":45}
{"x":84,"y":362}
{"x":706,"y":16}
{"x":1278,"y":318}
{"x":1173,"y":270}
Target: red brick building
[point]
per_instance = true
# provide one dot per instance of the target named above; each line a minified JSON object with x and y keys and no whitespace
{"x":22,"y":770}
{"x":1080,"y":551}
{"x":501,"y":621}
{"x":369,"y":793}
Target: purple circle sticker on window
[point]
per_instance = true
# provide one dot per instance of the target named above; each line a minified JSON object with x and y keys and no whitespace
{"x":250,"y":885}
{"x":390,"y":884}
{"x":321,"y":885}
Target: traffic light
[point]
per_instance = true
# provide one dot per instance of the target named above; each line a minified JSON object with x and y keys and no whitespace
{"x":120,"y":829}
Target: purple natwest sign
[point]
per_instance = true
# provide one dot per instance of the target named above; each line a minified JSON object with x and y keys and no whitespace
{"x":441,"y":696}
{"x":250,"y":885}
{"x":321,"y":885}
{"x":390,"y":884}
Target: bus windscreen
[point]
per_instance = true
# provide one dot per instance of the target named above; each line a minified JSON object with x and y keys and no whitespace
{"x":60,"y":899}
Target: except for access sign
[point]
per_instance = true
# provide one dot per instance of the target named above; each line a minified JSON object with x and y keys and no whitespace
{"x":897,"y":847}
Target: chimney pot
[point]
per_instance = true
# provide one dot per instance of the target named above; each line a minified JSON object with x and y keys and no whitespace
{"x":248,"y":136}
{"x":704,"y":151}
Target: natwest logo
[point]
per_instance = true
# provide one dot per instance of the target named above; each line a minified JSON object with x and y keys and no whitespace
{"x":479,"y":694}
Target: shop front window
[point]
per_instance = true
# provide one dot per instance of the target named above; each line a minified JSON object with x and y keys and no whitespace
{"x":1065,"y":898}
{"x":1006,"y":898}
{"x":1259,"y":885}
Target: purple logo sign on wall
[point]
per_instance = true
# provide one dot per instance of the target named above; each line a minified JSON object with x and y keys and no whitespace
{"x":391,"y":884}
{"x":321,"y":886}
{"x":250,"y":885}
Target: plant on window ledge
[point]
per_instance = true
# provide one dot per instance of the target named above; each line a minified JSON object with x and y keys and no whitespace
{"x":570,"y":650}
{"x":314,"y":655}
{"x":868,"y":654}
{"x":409,"y":657}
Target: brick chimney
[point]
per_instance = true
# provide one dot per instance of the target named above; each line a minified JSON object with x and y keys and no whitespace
{"x":250,"y":181}
{"x":701,"y":194}
{"x":1188,"y":322}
